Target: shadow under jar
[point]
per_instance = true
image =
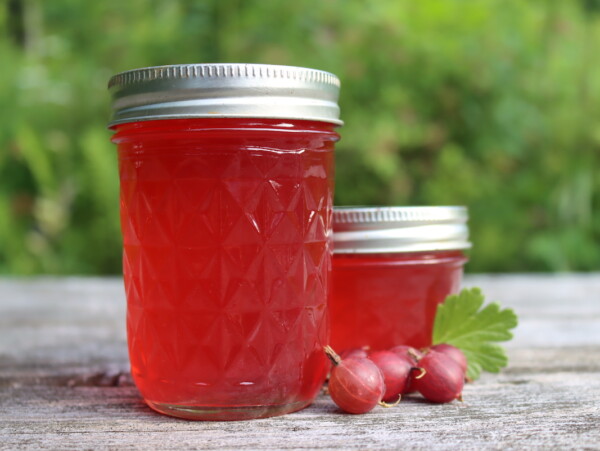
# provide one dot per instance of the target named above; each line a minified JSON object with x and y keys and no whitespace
{"x":392,"y":266}
{"x":226,"y":201}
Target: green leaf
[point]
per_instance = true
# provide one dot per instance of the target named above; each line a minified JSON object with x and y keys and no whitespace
{"x":464,"y":322}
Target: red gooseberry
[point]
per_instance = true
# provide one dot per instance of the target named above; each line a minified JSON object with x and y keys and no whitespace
{"x":395,"y":370}
{"x":440,"y":379}
{"x":356,"y":385}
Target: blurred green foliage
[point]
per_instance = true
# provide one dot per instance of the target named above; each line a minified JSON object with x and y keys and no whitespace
{"x":494,"y":104}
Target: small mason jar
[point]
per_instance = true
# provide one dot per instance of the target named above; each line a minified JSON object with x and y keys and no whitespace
{"x":392,"y":266}
{"x":226,"y":175}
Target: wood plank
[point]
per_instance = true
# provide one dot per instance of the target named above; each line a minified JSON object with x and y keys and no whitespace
{"x":542,"y":410}
{"x":64,"y":381}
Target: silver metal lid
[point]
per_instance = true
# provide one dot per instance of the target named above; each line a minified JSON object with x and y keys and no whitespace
{"x":224,"y":90}
{"x":365,"y":230}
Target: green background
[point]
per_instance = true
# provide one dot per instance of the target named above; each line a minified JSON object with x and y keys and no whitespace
{"x":493,"y":104}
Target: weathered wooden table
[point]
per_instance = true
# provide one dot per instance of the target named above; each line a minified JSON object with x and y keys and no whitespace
{"x":64,"y":380}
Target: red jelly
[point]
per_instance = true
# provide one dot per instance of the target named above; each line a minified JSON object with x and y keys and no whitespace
{"x":391,"y":268}
{"x":227,"y":256}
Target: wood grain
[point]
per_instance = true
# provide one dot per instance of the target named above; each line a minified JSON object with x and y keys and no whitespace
{"x":64,"y":381}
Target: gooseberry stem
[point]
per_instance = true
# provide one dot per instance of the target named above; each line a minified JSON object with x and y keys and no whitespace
{"x":393,"y":404}
{"x":422,"y":372}
{"x":414,"y":355}
{"x":333,"y":356}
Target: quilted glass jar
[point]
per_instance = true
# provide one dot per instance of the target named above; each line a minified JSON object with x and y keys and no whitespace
{"x":392,"y":266}
{"x":226,"y":207}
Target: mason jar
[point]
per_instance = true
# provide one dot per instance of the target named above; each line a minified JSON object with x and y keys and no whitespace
{"x":226,"y":176}
{"x":392,"y":266}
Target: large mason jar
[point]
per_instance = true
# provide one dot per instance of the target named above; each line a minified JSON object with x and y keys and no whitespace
{"x":226,"y":175}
